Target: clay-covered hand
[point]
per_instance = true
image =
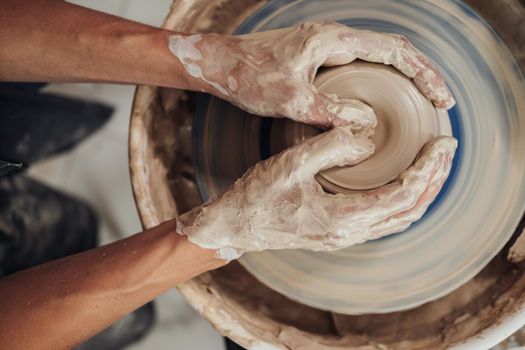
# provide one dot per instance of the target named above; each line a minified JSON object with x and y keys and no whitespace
{"x":278,"y":204}
{"x":271,"y":73}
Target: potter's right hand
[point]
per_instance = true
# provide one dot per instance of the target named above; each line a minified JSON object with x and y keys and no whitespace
{"x":278,"y":204}
{"x":271,"y":73}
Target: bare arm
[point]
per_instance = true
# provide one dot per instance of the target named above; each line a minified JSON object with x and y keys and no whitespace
{"x":52,"y":40}
{"x":59,"y":304}
{"x":268,"y":73}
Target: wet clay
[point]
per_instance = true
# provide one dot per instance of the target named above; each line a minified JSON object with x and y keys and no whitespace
{"x":406,"y":120}
{"x":237,"y":304}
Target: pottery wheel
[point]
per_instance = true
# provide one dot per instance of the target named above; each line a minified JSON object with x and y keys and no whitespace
{"x":479,"y":206}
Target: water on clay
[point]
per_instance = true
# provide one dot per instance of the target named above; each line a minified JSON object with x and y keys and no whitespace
{"x":253,"y":314}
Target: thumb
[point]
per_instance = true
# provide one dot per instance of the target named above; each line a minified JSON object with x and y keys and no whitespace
{"x":345,"y":112}
{"x":337,"y":147}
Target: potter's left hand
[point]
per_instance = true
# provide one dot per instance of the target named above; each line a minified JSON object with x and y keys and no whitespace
{"x":278,"y":204}
{"x":271,"y":73}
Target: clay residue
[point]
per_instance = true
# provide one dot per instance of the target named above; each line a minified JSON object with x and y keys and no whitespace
{"x":173,"y":129}
{"x":477,"y":305}
{"x":517,"y":251}
{"x":241,"y":286}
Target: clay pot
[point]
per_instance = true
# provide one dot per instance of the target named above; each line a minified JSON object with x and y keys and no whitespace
{"x":478,"y":315}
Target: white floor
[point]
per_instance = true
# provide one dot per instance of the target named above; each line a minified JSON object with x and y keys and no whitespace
{"x":97,"y":171}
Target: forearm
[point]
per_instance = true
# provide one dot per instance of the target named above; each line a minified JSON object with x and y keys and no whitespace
{"x":52,"y":40}
{"x":59,"y":304}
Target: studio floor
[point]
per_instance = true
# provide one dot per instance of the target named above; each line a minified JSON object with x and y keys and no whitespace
{"x":97,"y":171}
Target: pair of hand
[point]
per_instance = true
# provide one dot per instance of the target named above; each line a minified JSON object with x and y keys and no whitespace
{"x":278,"y":203}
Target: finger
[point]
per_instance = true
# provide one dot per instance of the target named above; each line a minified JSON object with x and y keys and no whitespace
{"x":389,"y":49}
{"x":326,"y":111}
{"x":427,"y":77}
{"x":403,"y":220}
{"x":332,"y":111}
{"x":337,"y":147}
{"x":366,"y":209}
{"x":397,"y":51}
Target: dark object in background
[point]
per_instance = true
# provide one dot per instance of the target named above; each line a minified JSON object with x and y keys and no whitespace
{"x":6,"y":167}
{"x":35,"y":125}
{"x":125,"y":332}
{"x":38,"y":223}
{"x":230,"y":345}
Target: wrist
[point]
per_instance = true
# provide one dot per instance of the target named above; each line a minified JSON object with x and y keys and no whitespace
{"x":206,"y":259}
{"x":164,"y":69}
{"x":206,"y":60}
{"x":206,"y":236}
{"x":184,"y":255}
